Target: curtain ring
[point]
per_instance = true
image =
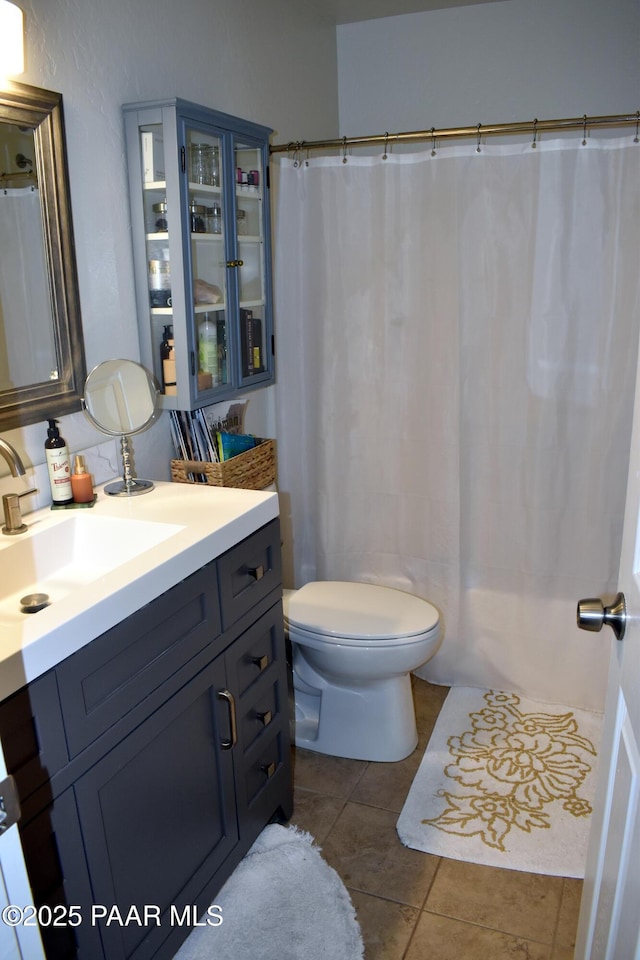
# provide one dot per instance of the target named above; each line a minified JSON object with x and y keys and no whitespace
{"x":584,"y":131}
{"x":635,"y":139}
{"x":344,"y":149}
{"x":294,"y":149}
{"x":535,"y":133}
{"x":478,"y":150}
{"x":306,"y":163}
{"x":386,"y":138}
{"x":433,"y":141}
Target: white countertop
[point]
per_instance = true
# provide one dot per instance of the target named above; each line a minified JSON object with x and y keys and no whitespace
{"x":206,"y":521}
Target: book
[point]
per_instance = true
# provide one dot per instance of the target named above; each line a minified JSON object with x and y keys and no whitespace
{"x":250,"y":343}
{"x":152,"y":156}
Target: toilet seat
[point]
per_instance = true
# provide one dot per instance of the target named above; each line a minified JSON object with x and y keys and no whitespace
{"x":358,"y":614}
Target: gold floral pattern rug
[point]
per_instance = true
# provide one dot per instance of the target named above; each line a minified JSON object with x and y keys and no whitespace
{"x":505,"y":781}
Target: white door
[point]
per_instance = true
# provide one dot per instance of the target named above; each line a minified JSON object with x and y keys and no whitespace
{"x":609,"y":925}
{"x":19,"y":933}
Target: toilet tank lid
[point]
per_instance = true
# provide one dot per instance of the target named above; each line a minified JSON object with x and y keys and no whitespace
{"x":344,"y":609}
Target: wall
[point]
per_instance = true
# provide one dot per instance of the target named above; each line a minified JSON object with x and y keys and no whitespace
{"x":272,"y":63}
{"x":489,"y":63}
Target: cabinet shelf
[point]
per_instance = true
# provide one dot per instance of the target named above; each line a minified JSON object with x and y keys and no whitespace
{"x":209,"y":307}
{"x":205,"y":188}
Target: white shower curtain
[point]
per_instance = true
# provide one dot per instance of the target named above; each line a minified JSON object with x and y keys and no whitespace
{"x":457,"y":338}
{"x":26,"y":326}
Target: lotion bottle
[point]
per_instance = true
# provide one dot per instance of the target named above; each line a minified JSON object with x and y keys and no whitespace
{"x":168,"y":358}
{"x":59,"y":466}
{"x":81,"y":482}
{"x":208,"y":347}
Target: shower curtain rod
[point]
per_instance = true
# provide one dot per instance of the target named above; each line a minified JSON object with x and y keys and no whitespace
{"x":533,"y":127}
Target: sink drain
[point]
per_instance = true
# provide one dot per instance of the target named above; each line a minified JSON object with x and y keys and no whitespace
{"x":34,"y":602}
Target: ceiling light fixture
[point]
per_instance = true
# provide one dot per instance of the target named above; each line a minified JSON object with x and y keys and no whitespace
{"x":11,"y":39}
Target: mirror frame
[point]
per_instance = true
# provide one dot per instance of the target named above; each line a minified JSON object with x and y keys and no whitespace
{"x":42,"y":110}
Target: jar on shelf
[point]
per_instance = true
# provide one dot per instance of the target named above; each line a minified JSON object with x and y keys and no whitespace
{"x":159,"y":217}
{"x":241,"y":222}
{"x":197,"y":214}
{"x":214,"y":219}
{"x":160,"y":282}
{"x":203,"y":164}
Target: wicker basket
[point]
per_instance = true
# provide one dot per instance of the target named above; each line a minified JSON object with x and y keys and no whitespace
{"x":253,"y":469}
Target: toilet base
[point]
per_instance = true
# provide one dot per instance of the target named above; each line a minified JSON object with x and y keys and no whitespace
{"x":372,"y":722}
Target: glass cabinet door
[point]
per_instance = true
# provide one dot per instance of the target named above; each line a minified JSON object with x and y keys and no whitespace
{"x":158,"y":261}
{"x":249,"y":228}
{"x":205,"y":220}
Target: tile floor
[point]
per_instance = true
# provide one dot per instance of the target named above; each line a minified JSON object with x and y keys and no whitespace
{"x":411,"y":905}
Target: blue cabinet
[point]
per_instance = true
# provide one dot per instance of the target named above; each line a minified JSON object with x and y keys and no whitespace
{"x":200,"y":211}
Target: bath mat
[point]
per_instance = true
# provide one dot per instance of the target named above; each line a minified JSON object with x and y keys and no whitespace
{"x":505,"y":781}
{"x":282,"y":902}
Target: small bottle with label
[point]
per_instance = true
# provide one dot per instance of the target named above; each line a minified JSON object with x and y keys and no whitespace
{"x":58,"y":465}
{"x":168,"y":358}
{"x":81,"y":482}
{"x":208,"y":347}
{"x":160,"y":279}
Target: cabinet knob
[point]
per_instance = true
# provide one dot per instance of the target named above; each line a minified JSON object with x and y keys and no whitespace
{"x":268,"y":768}
{"x":265,"y":717}
{"x":235,"y":263}
{"x":256,"y":572}
{"x":261,"y":662}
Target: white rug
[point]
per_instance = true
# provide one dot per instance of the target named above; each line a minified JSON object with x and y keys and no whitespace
{"x":282,"y":902}
{"x":505,"y":781}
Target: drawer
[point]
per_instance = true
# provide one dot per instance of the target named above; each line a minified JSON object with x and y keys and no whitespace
{"x":258,"y":714}
{"x":103,"y":682}
{"x":248,"y":572}
{"x":256,"y":651}
{"x":260,"y":773}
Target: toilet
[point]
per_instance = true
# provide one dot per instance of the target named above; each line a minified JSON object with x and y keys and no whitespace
{"x":354,"y":646}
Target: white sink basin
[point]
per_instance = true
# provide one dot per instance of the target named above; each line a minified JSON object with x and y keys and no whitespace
{"x":101,"y":565}
{"x":65,"y":557}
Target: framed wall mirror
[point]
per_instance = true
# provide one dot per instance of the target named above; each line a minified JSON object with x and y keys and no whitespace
{"x":42,"y":362}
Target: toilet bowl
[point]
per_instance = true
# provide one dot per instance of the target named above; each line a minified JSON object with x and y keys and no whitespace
{"x":354,"y":646}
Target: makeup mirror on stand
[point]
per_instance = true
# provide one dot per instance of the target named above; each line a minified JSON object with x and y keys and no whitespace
{"x":121,"y":399}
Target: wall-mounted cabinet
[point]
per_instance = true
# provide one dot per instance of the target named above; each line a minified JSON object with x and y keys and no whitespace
{"x":199,"y":194}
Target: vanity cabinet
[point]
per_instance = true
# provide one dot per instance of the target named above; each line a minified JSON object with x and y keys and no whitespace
{"x":148,"y":762}
{"x":200,"y":212}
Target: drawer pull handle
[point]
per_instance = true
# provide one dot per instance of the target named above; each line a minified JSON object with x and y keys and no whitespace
{"x":228,"y":696}
{"x":261,"y":662}
{"x":256,"y":572}
{"x":265,"y":718}
{"x":269,"y":769}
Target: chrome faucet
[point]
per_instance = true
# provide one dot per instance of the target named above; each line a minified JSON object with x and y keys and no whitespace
{"x":11,"y":501}
{"x":12,"y":457}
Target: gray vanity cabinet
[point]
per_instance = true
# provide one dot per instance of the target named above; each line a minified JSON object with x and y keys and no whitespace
{"x":148,"y":762}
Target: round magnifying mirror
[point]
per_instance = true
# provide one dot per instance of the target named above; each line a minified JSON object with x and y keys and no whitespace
{"x":121,"y":399}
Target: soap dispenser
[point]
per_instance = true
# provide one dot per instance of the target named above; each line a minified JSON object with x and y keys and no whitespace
{"x":58,"y":465}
